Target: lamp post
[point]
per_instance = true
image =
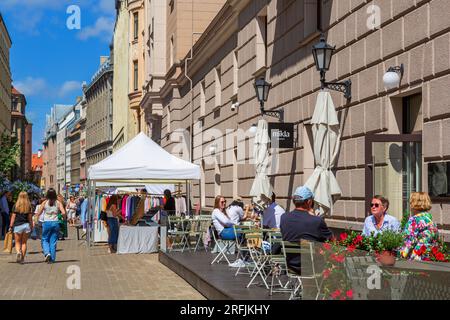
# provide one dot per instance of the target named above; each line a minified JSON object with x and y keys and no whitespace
{"x":262,"y":88}
{"x":322,"y":53}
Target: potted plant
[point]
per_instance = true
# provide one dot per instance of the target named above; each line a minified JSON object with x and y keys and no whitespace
{"x":388,"y":242}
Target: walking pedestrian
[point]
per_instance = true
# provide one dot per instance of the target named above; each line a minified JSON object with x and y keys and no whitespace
{"x":21,"y":224}
{"x":112,"y":213}
{"x":4,"y":210}
{"x":71,"y":210}
{"x":51,"y":227}
{"x":63,"y":232}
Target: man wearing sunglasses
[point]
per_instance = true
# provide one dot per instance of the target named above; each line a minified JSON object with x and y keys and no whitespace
{"x":379,"y":220}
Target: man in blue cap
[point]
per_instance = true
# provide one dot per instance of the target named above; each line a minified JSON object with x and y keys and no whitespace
{"x":302,"y":224}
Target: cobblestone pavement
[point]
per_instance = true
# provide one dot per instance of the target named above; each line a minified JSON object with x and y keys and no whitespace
{"x":103,"y":276}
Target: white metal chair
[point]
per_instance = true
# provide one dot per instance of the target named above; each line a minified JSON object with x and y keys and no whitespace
{"x":222,"y":245}
{"x":254,"y":239}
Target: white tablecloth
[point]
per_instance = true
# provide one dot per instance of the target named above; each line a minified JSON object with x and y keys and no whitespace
{"x":137,"y":240}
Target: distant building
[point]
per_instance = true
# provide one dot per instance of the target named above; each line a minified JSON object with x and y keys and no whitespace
{"x":21,"y":130}
{"x":37,"y":165}
{"x":49,"y":153}
{"x":5,"y":78}
{"x":99,"y":114}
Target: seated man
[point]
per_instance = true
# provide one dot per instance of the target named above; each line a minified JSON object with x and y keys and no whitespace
{"x":379,"y":220}
{"x":272,"y":215}
{"x":301,"y":224}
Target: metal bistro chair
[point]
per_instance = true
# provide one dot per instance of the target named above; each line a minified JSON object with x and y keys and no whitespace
{"x":222,"y":245}
{"x":259,"y":258}
{"x":177,"y":233}
{"x":198,"y":227}
{"x":243,"y":251}
{"x":295,"y":279}
{"x":277,"y":264}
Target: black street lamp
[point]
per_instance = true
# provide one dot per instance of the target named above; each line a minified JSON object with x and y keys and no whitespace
{"x":322,"y":53}
{"x":262,"y":88}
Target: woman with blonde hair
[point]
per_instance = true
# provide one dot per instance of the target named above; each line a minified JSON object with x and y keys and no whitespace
{"x":421,"y":233}
{"x":21,"y":222}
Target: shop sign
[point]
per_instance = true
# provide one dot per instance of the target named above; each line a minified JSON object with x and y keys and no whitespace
{"x":281,"y":135}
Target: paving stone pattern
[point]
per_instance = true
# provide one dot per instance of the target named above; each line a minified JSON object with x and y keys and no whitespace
{"x":103,"y":276}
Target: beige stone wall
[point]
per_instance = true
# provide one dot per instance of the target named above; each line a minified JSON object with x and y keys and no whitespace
{"x":5,"y":78}
{"x":99,"y":109}
{"x":123,"y":118}
{"x":362,"y":55}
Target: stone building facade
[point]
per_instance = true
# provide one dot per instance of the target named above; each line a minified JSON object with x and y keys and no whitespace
{"x":5,"y":78}
{"x":274,"y":39}
{"x":172,"y":29}
{"x":99,"y":114}
{"x":124,"y":123}
{"x":19,"y":125}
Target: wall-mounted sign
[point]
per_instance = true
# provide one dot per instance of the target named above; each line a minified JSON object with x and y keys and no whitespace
{"x":439,"y":179}
{"x":281,"y":134}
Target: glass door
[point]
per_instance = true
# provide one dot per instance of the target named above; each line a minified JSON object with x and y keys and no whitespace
{"x":394,"y":170}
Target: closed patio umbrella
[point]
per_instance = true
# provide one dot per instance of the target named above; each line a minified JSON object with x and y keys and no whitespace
{"x":261,"y":189}
{"x":326,"y":133}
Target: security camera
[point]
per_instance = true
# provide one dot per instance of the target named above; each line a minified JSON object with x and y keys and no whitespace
{"x":234,"y":106}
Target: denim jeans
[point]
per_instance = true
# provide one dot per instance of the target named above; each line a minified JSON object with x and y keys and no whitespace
{"x":5,"y":223}
{"x":50,"y":232}
{"x":113,"y":225}
{"x":227,"y":234}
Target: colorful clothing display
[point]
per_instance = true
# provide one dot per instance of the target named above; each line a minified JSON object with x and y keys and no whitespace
{"x":421,"y":235}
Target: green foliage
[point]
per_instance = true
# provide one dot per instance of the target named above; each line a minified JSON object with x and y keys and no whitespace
{"x":405,"y":219}
{"x":389,"y":240}
{"x":9,"y":151}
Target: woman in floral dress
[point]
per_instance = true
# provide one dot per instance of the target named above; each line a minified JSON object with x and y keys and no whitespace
{"x":421,"y":233}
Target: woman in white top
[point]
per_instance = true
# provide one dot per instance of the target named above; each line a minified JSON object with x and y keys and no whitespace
{"x":71,"y":210}
{"x":50,"y":228}
{"x":112,"y":212}
{"x":222,"y":223}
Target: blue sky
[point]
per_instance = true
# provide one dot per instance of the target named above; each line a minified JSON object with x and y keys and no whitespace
{"x":49,"y":61}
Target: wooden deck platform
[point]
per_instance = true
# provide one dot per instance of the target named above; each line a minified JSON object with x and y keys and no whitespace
{"x":215,"y":282}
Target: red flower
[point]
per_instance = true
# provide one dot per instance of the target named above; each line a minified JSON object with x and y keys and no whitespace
{"x":358,"y":239}
{"x":435,"y":250}
{"x":326,"y":273}
{"x":423,"y":249}
{"x":440,"y":256}
{"x":351,"y":248}
{"x":349,"y":294}
{"x":340,"y":258}
{"x":326,"y":246}
{"x":336,"y":294}
{"x":343,"y":236}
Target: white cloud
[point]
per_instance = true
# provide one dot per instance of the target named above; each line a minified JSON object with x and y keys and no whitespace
{"x":31,"y":86}
{"x":107,"y":6}
{"x":102,"y":29}
{"x":39,"y":87}
{"x":68,"y":87}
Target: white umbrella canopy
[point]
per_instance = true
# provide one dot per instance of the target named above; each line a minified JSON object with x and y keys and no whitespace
{"x":261,"y":189}
{"x":326,"y":133}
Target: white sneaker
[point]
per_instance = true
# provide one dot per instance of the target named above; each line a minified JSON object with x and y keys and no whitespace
{"x":237,"y":264}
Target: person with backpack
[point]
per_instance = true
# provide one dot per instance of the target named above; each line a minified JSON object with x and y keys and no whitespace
{"x":51,"y":208}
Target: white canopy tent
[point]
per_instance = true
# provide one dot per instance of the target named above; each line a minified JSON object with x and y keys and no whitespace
{"x":140,"y":162}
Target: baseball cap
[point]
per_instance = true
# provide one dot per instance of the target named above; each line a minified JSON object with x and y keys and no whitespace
{"x":303,"y":193}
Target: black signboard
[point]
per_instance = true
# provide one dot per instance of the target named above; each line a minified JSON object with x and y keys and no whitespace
{"x":281,"y":134}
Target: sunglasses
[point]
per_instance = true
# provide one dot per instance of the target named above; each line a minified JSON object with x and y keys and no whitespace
{"x":376,"y":205}
{"x":223,"y":201}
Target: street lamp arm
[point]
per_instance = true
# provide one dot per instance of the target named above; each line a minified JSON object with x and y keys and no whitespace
{"x":345,"y":87}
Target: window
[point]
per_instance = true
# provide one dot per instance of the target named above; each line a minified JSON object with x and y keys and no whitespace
{"x":202,"y":99}
{"x":171,"y":52}
{"x":136,"y":25}
{"x":136,"y":75}
{"x":261,"y":40}
{"x":412,"y":114}
{"x":218,"y":84}
{"x":235,"y":72}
